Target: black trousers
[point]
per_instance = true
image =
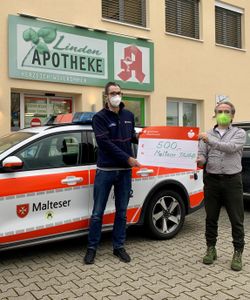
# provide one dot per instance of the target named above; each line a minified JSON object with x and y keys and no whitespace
{"x":224,"y":190}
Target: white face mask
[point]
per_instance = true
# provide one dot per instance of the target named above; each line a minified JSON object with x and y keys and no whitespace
{"x":115,"y":100}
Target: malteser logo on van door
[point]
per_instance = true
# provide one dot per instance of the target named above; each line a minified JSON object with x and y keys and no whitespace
{"x":50,"y":205}
{"x":22,"y":210}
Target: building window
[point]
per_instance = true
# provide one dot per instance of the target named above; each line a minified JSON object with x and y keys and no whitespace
{"x":125,"y":11}
{"x":182,"y":17}
{"x":39,"y":109}
{"x":182,"y":113}
{"x":228,"y":25}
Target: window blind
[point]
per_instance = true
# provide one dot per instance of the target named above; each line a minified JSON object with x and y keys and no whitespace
{"x":126,"y":11}
{"x":228,"y":27}
{"x":182,"y":17}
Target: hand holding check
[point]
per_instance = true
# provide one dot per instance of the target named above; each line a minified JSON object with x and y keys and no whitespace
{"x":203,"y":136}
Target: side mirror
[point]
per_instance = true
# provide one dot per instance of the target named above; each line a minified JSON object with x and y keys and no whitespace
{"x":12,"y":163}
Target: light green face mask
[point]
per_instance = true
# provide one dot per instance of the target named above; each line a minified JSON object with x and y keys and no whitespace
{"x":223,"y":119}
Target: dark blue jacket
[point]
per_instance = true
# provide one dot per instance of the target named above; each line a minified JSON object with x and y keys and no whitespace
{"x":114,"y":134}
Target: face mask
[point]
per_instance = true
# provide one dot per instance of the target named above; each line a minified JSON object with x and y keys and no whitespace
{"x":223,"y":119}
{"x":115,"y":100}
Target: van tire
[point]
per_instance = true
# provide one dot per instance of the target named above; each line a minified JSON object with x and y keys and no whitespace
{"x":165,"y":214}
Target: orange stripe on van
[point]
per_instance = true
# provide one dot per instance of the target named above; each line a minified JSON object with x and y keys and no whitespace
{"x":131,"y":212}
{"x":166,"y":171}
{"x":108,"y":219}
{"x":134,"y":175}
{"x":37,"y":183}
{"x":196,"y":199}
{"x":156,"y":171}
{"x":92,"y":176}
{"x":133,"y":215}
{"x":135,"y":170}
{"x":136,"y":216}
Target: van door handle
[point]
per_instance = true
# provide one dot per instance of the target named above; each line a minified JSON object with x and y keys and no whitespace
{"x":71,"y":180}
{"x":144,"y":172}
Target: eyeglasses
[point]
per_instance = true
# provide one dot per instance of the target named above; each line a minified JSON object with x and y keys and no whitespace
{"x":115,"y":93}
{"x":226,"y":111}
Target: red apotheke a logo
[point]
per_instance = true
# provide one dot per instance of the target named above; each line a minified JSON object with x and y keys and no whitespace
{"x":132,"y":62}
{"x":22,"y":210}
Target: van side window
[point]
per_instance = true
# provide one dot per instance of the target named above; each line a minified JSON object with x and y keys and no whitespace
{"x":92,"y":145}
{"x":59,"y":150}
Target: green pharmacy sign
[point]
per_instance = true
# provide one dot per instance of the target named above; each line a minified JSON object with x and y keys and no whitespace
{"x":75,"y":60}
{"x":56,"y":53}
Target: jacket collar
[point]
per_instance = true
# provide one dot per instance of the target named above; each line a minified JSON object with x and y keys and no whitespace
{"x":121,"y":106}
{"x":216,"y":127}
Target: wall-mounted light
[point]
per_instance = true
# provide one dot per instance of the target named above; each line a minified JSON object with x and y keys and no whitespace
{"x":81,"y":27}
{"x":93,"y":108}
{"x":100,"y":30}
{"x":27,"y":16}
{"x":142,"y":38}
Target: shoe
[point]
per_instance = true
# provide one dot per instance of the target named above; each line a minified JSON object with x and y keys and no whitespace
{"x":89,"y":257}
{"x":236,"y":264}
{"x":210,"y":256}
{"x":122,"y":254}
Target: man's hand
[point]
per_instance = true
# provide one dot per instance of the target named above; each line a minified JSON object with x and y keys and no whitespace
{"x":199,"y":161}
{"x":203,"y":136}
{"x":137,"y":135}
{"x":133,"y":162}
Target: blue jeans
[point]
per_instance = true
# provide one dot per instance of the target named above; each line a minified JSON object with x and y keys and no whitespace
{"x":104,"y":180}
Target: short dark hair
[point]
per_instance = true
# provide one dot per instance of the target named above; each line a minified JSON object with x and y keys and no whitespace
{"x":227,"y":103}
{"x":106,"y":89}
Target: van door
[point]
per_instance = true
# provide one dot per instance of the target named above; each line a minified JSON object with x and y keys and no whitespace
{"x":50,"y":195}
{"x":108,"y":218}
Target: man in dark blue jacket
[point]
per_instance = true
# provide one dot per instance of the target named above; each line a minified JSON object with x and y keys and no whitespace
{"x":114,"y":130}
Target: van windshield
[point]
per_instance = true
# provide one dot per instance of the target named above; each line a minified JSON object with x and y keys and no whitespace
{"x":13,"y":139}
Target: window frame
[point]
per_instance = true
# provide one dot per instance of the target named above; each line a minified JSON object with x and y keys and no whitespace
{"x":178,"y":20}
{"x":55,"y":98}
{"x":228,"y":8}
{"x":120,"y":20}
{"x":181,"y":102}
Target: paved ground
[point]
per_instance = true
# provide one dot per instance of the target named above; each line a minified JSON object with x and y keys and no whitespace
{"x":159,"y":270}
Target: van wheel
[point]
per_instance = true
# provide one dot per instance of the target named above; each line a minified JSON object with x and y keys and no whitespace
{"x":165,"y":214}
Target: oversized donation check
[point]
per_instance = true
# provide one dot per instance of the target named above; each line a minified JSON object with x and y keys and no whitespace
{"x":168,"y":146}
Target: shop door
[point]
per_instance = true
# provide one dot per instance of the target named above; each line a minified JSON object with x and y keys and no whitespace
{"x":136,"y":106}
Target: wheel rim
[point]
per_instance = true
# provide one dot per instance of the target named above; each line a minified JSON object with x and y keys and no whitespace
{"x":166,"y":214}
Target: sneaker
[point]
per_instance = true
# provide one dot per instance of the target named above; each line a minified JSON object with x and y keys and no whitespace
{"x":236,"y":264}
{"x":89,"y":257}
{"x":210,"y":256}
{"x":122,"y":254}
